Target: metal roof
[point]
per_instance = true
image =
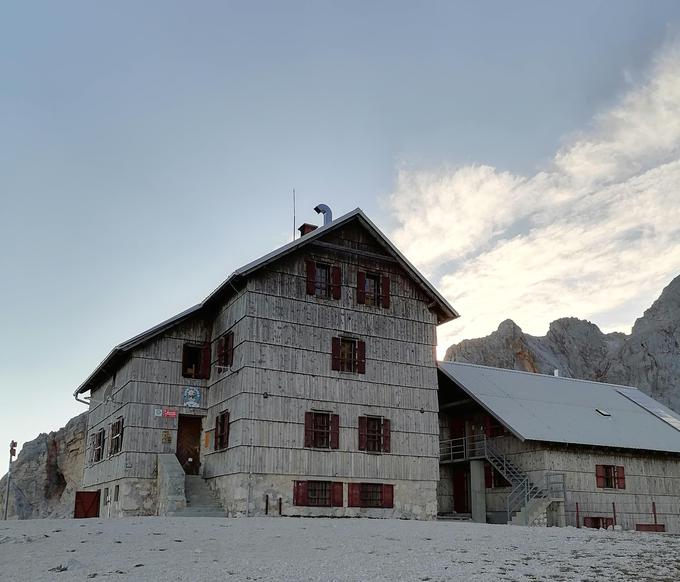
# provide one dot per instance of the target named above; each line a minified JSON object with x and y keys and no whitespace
{"x":538,"y":407}
{"x":447,"y":312}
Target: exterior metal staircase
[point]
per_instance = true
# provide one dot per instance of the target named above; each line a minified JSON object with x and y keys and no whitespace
{"x":526,"y":503}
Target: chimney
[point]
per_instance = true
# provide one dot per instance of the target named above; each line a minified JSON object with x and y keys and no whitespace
{"x":556,"y":372}
{"x":306,"y":228}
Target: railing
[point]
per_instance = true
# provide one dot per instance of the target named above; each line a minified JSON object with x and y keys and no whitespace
{"x":462,"y":449}
{"x":520,"y":497}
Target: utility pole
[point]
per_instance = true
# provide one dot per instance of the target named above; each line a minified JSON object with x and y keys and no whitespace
{"x":12,"y":454}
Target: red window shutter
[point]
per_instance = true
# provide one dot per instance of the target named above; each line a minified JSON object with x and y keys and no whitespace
{"x":620,"y":478}
{"x":599,"y":476}
{"x":229,"y":349}
{"x":225,"y":429}
{"x":385,"y":292}
{"x":216,"y":436}
{"x":488,"y":476}
{"x":205,"y":361}
{"x":300,"y":493}
{"x":361,"y":357}
{"x":309,"y":426}
{"x":354,"y":494}
{"x":388,"y":496}
{"x":335,"y":431}
{"x":361,"y":287}
{"x":457,"y":426}
{"x":335,"y":354}
{"x":588,"y":522}
{"x":362,"y":433}
{"x":311,"y":277}
{"x":336,"y":495}
{"x":386,"y":436}
{"x":336,"y":281}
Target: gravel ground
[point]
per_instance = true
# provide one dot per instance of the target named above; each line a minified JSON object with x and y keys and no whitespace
{"x":191,"y":549}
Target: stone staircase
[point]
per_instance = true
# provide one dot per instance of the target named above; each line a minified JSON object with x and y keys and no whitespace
{"x":201,"y":501}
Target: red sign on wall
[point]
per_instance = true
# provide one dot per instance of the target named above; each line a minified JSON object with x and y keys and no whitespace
{"x":169,"y":413}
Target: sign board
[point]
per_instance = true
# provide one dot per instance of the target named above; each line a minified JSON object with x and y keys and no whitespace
{"x":192,"y":397}
{"x":158,"y":412}
{"x":169,"y":413}
{"x":166,"y":437}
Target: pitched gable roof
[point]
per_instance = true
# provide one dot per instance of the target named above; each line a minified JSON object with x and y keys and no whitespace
{"x":538,"y":407}
{"x":445,"y":312}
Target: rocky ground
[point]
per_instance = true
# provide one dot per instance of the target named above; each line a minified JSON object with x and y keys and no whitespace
{"x":187,"y":549}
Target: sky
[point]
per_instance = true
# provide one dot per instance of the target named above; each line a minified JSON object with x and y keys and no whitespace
{"x":525,"y":156}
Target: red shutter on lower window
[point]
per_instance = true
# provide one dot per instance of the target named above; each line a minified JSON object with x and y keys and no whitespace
{"x":205,"y":361}
{"x":362,"y":433}
{"x":335,"y":354}
{"x":309,"y":429}
{"x":311,"y":277}
{"x":335,"y":431}
{"x":336,"y":282}
{"x":300,"y":493}
{"x":599,"y":475}
{"x":354,"y":494}
{"x":385,"y":292}
{"x":361,"y":287}
{"x":336,"y":495}
{"x":361,"y":357}
{"x":386,"y":435}
{"x":488,"y":476}
{"x":588,"y":522}
{"x":388,"y":496}
{"x":620,"y":478}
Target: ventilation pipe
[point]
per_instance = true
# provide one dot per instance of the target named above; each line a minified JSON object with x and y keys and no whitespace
{"x":326,"y":211}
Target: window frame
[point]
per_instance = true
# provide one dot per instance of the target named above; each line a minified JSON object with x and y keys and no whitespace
{"x":117,"y":430}
{"x":98,"y":445}
{"x":610,"y":476}
{"x":221,"y":441}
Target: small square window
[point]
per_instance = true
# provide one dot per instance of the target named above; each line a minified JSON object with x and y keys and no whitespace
{"x":191,"y":361}
{"x":321,"y":430}
{"x":348,"y":355}
{"x":374,"y":434}
{"x":372,"y":289}
{"x":371,"y":495}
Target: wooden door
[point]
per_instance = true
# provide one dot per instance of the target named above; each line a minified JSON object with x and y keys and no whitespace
{"x":461,"y":489}
{"x":87,"y":504}
{"x":189,"y":443}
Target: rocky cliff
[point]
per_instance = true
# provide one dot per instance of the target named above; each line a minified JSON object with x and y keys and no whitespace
{"x":648,"y":358}
{"x":47,"y":473}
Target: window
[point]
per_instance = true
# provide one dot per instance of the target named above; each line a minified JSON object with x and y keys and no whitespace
{"x":225,"y":350}
{"x":373,"y":289}
{"x":116,"y":492}
{"x":116,"y":437}
{"x":610,"y":477}
{"x":322,"y":430}
{"x":98,"y":450}
{"x":374,"y":434}
{"x":323,"y":280}
{"x":222,"y":431}
{"x":106,"y":496}
{"x":371,"y":495}
{"x":348,"y":355}
{"x":493,"y":479}
{"x":318,"y":494}
{"x":196,"y":361}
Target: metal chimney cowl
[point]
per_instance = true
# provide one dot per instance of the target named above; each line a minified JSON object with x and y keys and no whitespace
{"x":326,"y":211}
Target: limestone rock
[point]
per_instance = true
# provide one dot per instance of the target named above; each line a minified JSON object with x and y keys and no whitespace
{"x":648,"y":358}
{"x":47,"y":473}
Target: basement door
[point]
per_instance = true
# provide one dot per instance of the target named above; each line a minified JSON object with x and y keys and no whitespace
{"x":461,"y":488}
{"x":87,"y":504}
{"x":189,"y":443}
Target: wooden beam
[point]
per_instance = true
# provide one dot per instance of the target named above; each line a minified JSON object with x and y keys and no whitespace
{"x":351,"y":251}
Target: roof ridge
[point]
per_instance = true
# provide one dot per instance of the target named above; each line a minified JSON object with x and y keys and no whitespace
{"x":601,"y":384}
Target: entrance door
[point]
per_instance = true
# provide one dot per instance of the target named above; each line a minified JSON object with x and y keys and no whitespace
{"x":87,"y":504}
{"x":189,"y":443}
{"x":461,"y":489}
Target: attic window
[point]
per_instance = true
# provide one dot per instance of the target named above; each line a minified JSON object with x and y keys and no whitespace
{"x":602,"y":412}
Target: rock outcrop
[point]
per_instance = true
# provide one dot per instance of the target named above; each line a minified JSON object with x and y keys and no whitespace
{"x":47,"y":473}
{"x":648,"y":358}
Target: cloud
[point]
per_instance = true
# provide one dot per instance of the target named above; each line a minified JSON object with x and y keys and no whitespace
{"x":595,"y":235}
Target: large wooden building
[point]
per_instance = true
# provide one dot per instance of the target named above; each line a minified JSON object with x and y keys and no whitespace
{"x":306,"y":384}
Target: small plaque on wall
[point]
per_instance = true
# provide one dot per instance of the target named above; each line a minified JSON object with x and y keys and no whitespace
{"x":166,"y":437}
{"x":192,"y":397}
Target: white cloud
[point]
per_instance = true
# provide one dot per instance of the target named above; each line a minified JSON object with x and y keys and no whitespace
{"x":597,"y":235}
